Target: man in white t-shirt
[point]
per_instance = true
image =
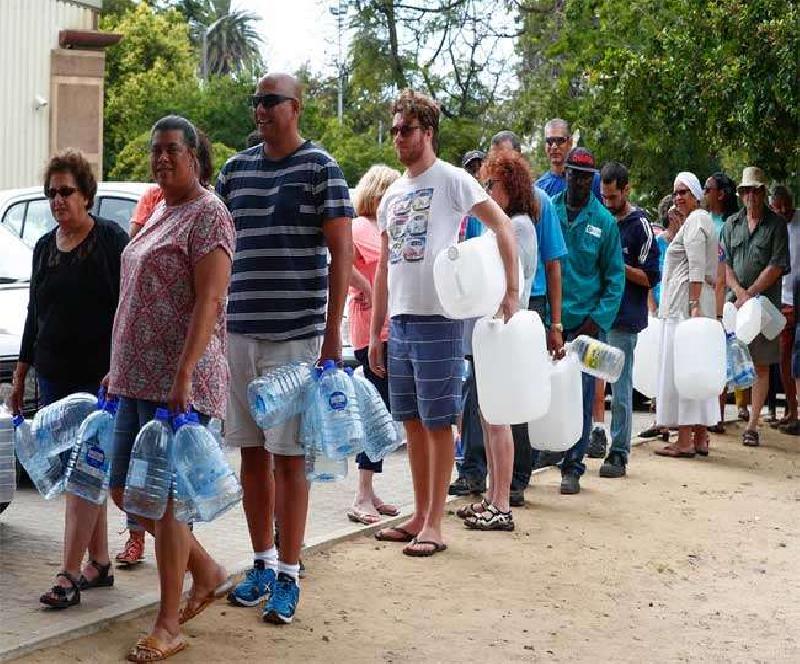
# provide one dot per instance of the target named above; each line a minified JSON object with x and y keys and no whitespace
{"x":419,"y":216}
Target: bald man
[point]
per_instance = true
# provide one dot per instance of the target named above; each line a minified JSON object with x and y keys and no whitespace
{"x":290,"y":203}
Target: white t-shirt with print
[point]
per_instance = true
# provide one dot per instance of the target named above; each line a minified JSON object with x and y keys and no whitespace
{"x":422,"y":216}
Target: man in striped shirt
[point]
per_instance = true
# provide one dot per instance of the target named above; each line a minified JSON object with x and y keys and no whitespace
{"x":290,"y":203}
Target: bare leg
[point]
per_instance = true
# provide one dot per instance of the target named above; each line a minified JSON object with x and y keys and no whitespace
{"x":80,"y":519}
{"x":501,"y":443}
{"x":492,"y":491}
{"x":599,"y":403}
{"x":760,"y":390}
{"x":418,"y":460}
{"x":685,"y":442}
{"x":292,"y":486}
{"x":98,"y":544}
{"x":441,"y":451}
{"x":258,"y":500}
{"x":366,"y":499}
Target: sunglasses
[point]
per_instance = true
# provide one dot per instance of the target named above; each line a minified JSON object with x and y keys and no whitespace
{"x":403,"y":130}
{"x":680,"y":192}
{"x":64,"y":192}
{"x":556,"y":140}
{"x":707,"y":189}
{"x":744,"y":189}
{"x":269,"y":100}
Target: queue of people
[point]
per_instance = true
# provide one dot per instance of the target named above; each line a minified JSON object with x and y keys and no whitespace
{"x":215,"y":288}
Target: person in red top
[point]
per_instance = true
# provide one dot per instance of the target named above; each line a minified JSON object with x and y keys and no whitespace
{"x":367,"y":507}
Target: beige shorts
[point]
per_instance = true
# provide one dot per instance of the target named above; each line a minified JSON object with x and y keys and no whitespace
{"x":249,"y":358}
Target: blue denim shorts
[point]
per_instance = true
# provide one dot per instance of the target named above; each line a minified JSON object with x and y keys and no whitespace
{"x":426,"y":368}
{"x":131,"y":416}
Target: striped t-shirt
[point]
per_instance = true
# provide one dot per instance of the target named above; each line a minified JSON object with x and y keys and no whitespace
{"x":279,"y":283}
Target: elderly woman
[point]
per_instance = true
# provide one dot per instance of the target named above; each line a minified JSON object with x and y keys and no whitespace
{"x":67,"y":338}
{"x":508,"y":180}
{"x":367,"y":506}
{"x":169,"y":350}
{"x":690,"y":269}
{"x":756,"y":245}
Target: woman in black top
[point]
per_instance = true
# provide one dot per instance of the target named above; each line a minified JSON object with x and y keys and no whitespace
{"x":73,"y":297}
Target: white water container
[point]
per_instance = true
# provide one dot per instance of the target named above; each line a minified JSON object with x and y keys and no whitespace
{"x":561,"y":427}
{"x":512,"y":369}
{"x":646,"y":358}
{"x":469,"y":278}
{"x":729,"y":317}
{"x":748,"y":320}
{"x":700,"y":363}
{"x":772,"y":320}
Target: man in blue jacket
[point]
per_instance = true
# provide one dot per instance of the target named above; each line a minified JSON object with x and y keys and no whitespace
{"x":640,"y":253}
{"x":593,"y":275}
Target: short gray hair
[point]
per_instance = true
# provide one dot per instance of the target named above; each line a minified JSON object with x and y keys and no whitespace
{"x":557,"y":122}
{"x":506,"y":135}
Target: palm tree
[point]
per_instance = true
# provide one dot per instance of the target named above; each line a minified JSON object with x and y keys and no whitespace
{"x":228,"y":42}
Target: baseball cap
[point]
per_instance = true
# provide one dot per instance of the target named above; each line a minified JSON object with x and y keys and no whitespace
{"x":580,"y":159}
{"x":472,"y":155}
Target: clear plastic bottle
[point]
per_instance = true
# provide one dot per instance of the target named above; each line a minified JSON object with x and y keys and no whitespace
{"x":278,"y":395}
{"x":741,"y":373}
{"x":321,"y":468}
{"x":90,"y":464}
{"x":8,"y":464}
{"x":46,"y":472}
{"x":380,"y":435}
{"x":342,"y":432}
{"x":597,"y":358}
{"x":202,"y":471}
{"x":55,"y":427}
{"x":150,"y":472}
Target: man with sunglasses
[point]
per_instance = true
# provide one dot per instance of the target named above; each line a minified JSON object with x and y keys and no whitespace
{"x":756,"y":245}
{"x":593,"y":276}
{"x":557,"y":144}
{"x":290,"y":203}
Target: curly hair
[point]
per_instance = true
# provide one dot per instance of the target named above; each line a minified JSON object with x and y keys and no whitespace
{"x":513,"y":171}
{"x":73,"y":162}
{"x":422,"y":108}
{"x":371,"y":188}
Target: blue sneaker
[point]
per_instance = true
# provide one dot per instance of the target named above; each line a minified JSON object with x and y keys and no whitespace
{"x":280,"y":607}
{"x":257,"y":585}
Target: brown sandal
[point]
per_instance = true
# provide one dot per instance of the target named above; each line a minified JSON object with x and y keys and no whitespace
{"x":675,"y":453}
{"x":469,"y":510}
{"x":150,"y":649}
{"x":405,"y":535}
{"x":191,"y":610}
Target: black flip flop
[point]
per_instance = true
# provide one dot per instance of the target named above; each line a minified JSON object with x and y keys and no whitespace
{"x":406,"y":536}
{"x":750,"y":438}
{"x":417,"y":553}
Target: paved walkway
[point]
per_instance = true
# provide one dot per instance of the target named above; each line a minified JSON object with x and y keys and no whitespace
{"x":31,"y":535}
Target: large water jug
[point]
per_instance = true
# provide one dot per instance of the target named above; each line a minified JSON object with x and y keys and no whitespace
{"x":511,"y":368}
{"x":341,"y":429}
{"x":597,"y":358}
{"x":55,"y":427}
{"x":560,"y":428}
{"x":8,"y":464}
{"x":277,"y":395}
{"x":380,"y":434}
{"x":646,"y":358}
{"x":741,"y":373}
{"x":748,"y":320}
{"x":700,"y":358}
{"x":469,"y":278}
{"x":202,"y":468}
{"x":729,"y":317}
{"x":46,"y":472}
{"x":90,"y":464}
{"x":772,"y":320}
{"x":150,"y":472}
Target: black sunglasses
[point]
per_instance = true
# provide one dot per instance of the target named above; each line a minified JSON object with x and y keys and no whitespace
{"x":403,"y":130}
{"x":64,"y":192}
{"x":557,"y":140}
{"x":269,"y":100}
{"x":680,"y":192}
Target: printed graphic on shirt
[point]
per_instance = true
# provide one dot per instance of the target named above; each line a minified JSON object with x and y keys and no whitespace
{"x":408,"y":225}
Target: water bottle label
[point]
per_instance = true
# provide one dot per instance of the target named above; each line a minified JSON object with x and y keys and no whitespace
{"x":137,"y":473}
{"x":337,"y":401}
{"x":592,"y":356}
{"x":95,"y":457}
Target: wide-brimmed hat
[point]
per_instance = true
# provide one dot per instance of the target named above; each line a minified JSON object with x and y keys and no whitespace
{"x":752,"y":176}
{"x":472,"y":155}
{"x":580,"y":159}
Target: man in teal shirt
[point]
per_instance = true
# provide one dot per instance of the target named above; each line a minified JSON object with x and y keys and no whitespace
{"x":593,"y":277}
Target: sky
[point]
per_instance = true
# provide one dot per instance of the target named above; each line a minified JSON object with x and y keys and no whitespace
{"x":296,"y":32}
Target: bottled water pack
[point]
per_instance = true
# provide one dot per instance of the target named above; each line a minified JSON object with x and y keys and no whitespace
{"x":380,"y":434}
{"x":150,"y":473}
{"x":319,"y":466}
{"x":278,"y":395}
{"x":341,"y":429}
{"x":597,"y":358}
{"x":741,"y":373}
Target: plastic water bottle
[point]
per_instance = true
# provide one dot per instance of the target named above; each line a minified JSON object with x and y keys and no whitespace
{"x":321,"y":468}
{"x":46,"y":472}
{"x":741,"y":373}
{"x":90,"y":464}
{"x":597,"y":358}
{"x":215,"y":427}
{"x":380,"y":435}
{"x":201,"y":468}
{"x":150,"y":473}
{"x":310,"y":425}
{"x":8,"y":465}
{"x":342,"y":432}
{"x":278,"y":395}
{"x":55,"y":427}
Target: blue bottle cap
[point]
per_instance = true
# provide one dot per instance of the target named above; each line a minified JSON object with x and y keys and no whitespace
{"x":317,"y":373}
{"x":111,"y":405}
{"x":349,"y":371}
{"x":185,"y":418}
{"x":17,"y":420}
{"x":162,"y":414}
{"x":328,"y":364}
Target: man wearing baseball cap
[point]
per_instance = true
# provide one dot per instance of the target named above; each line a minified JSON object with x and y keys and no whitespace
{"x":472,"y":162}
{"x":593,"y":276}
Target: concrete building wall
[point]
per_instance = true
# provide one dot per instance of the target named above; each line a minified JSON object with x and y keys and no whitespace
{"x":28,"y":34}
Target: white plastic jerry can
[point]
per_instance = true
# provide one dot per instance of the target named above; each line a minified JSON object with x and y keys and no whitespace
{"x":561,"y":427}
{"x":646,"y":358}
{"x":700,"y":362}
{"x":512,"y":369}
{"x":748,"y":320}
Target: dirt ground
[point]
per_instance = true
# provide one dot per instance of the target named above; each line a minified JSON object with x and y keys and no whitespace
{"x":682,"y":561}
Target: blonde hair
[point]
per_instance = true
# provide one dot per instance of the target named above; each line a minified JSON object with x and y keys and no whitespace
{"x":371,"y":188}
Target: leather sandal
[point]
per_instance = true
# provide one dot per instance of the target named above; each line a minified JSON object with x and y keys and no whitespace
{"x":675,"y":453}
{"x":750,"y":438}
{"x":59,"y":597}
{"x":102,"y":580}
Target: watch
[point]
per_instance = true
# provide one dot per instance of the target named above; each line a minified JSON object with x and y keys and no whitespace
{"x":557,"y":326}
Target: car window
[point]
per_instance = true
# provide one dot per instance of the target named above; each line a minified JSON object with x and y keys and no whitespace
{"x":14,"y":217}
{"x":15,"y":258}
{"x":38,"y":221}
{"x":117,"y":209}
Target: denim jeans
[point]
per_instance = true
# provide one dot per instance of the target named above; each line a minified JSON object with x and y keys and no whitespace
{"x":622,"y":394}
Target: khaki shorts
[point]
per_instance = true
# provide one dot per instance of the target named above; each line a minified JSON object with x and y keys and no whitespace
{"x":249,"y":358}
